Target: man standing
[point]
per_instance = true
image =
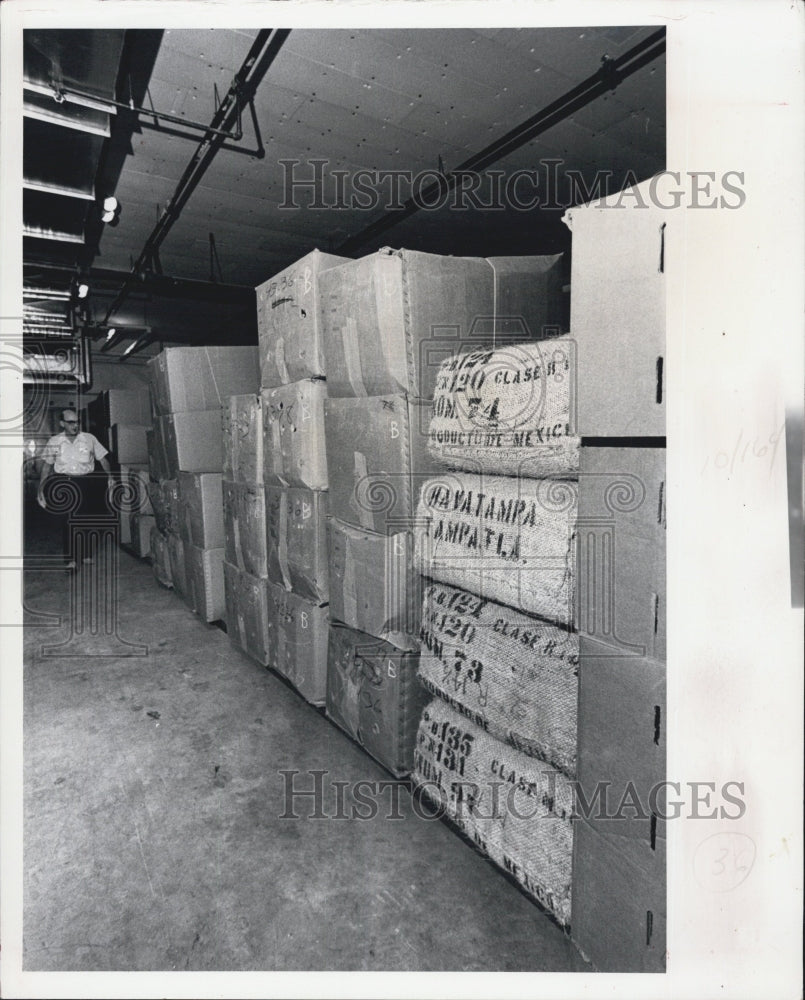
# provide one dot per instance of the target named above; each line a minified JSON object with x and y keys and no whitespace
{"x":69,"y":461}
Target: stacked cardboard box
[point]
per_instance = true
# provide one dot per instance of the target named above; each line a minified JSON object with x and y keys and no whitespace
{"x":134,"y":506}
{"x":293,"y":494}
{"x":618,"y":321}
{"x":244,"y":527}
{"x":388,"y":320}
{"x":190,"y":388}
{"x":121,"y":420}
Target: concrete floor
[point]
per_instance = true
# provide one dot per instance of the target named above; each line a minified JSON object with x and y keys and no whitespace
{"x":153,"y":838}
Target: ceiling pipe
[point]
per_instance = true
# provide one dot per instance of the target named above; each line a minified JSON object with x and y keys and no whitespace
{"x":73,"y":95}
{"x":261,"y":54}
{"x":120,"y":333}
{"x":143,"y":341}
{"x":609,"y":75}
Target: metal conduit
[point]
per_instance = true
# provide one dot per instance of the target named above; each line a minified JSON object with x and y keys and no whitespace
{"x":610,"y":74}
{"x":262,"y":53}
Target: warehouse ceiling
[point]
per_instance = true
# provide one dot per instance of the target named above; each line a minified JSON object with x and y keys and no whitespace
{"x":379,"y":100}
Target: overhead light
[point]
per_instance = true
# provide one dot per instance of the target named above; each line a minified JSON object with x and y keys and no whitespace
{"x":110,"y":333}
{"x":131,"y":347}
{"x":111,"y":210}
{"x":83,"y":290}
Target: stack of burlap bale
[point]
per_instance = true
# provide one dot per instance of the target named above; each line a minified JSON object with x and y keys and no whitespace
{"x":191,"y":387}
{"x":495,"y":544}
{"x":387,"y":320}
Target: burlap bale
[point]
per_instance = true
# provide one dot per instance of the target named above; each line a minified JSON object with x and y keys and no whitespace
{"x":507,"y":411}
{"x":160,"y":558}
{"x":509,"y":540}
{"x":514,"y":675}
{"x":516,"y":809}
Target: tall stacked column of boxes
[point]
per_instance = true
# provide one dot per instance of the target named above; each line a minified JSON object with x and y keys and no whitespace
{"x":121,"y":420}
{"x":496,"y":747}
{"x":191,"y":387}
{"x":618,"y":322}
{"x":245,"y":528}
{"x":388,"y":320}
{"x":293,"y":497}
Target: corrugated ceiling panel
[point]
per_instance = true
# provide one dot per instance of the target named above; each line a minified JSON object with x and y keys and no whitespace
{"x":300,"y":75}
{"x":366,"y":112}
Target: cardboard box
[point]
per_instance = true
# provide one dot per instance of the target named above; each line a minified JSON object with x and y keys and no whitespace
{"x":247,"y":621}
{"x":245,"y":528}
{"x":135,"y":495}
{"x":121,"y":406}
{"x":124,"y":519}
{"x":378,"y":457}
{"x":243,"y":440}
{"x":202,"y":378}
{"x":173,"y":505}
{"x":201,"y":509}
{"x":374,"y":586}
{"x":296,"y":523}
{"x":204,"y":569}
{"x":289,"y":324}
{"x":159,"y":496}
{"x":178,"y":567}
{"x":141,"y":525}
{"x":373,"y":695}
{"x":390,"y":318}
{"x":160,"y":557}
{"x":298,"y":642}
{"x":293,"y":425}
{"x":157,"y":456}
{"x":128,"y":443}
{"x":193,"y":441}
{"x":621,"y":592}
{"x":619,"y":901}
{"x":617,"y":313}
{"x":622,"y":727}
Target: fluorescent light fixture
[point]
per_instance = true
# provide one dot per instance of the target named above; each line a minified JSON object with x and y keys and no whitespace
{"x":110,"y":333}
{"x":130,"y":348}
{"x":83,"y":290}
